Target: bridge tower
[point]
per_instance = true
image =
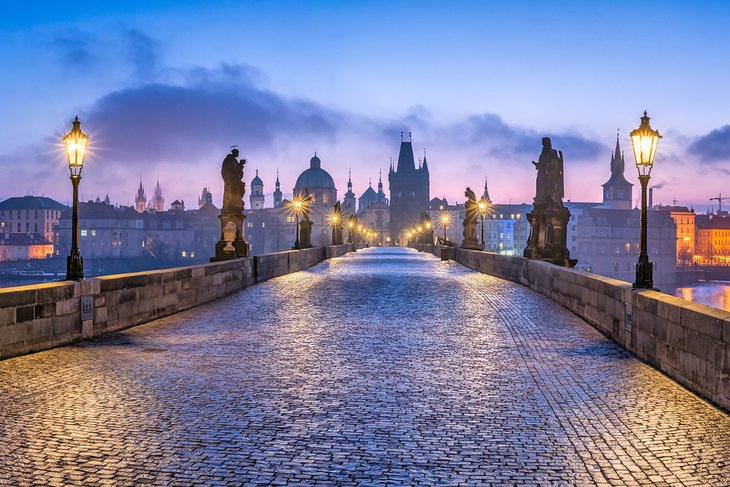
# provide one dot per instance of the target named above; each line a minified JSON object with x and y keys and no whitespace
{"x":409,"y":190}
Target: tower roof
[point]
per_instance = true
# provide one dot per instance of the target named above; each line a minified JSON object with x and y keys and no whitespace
{"x":256,"y":181}
{"x":406,"y":162}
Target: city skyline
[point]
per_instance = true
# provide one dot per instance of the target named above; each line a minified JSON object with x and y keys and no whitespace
{"x":160,"y":101}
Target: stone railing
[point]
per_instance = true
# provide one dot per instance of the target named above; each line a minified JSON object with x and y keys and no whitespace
{"x":689,"y":342}
{"x":43,"y":316}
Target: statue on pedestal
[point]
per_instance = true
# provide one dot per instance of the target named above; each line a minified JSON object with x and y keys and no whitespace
{"x":549,"y":217}
{"x":232,"y":211}
{"x":337,"y":224}
{"x":470,"y":221}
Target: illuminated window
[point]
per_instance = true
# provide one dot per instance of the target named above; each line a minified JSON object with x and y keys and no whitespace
{"x":84,"y":233}
{"x":93,"y":233}
{"x":184,"y":254}
{"x":325,"y":198}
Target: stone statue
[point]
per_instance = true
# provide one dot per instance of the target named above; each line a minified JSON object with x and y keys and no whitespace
{"x":232,"y":211}
{"x":337,"y":225}
{"x":549,"y":217}
{"x":470,"y":221}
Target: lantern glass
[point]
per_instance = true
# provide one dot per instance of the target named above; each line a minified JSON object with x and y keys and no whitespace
{"x":644,"y":142}
{"x":76,"y":142}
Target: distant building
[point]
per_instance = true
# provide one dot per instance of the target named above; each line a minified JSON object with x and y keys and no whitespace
{"x":140,"y":199}
{"x":205,"y":197}
{"x":22,"y":246}
{"x":713,"y":239}
{"x":106,"y":231}
{"x":349,"y":201}
{"x":157,"y":202}
{"x":684,"y":218}
{"x":278,"y":197}
{"x":257,"y":193}
{"x":617,"y":190}
{"x":31,"y":215}
{"x":608,"y":243}
{"x":409,"y":191}
{"x":274,"y":229}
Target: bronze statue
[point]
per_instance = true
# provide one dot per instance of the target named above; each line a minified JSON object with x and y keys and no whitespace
{"x":232,"y":211}
{"x":471,"y":208}
{"x":549,"y":217}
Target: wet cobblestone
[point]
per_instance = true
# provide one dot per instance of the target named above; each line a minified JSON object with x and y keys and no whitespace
{"x":384,"y":367}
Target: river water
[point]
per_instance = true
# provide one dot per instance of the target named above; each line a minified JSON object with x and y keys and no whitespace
{"x":711,"y":293}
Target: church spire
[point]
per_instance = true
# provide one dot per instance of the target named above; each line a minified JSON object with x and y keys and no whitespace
{"x":349,"y":179}
{"x":486,"y":190}
{"x":424,"y":166}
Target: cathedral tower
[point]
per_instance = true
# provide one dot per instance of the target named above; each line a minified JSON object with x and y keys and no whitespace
{"x":257,"y":193}
{"x":140,"y":201}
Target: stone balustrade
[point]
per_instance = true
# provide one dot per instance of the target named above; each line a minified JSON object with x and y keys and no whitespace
{"x":688,"y":341}
{"x":42,"y":316}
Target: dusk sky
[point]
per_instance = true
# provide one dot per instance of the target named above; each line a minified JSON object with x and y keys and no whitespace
{"x":165,"y":87}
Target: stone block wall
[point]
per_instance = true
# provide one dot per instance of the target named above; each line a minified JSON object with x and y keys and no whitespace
{"x":42,"y":316}
{"x":688,"y":341}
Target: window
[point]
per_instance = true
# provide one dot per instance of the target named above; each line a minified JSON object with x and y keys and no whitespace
{"x":93,"y":233}
{"x":325,"y":198}
{"x":84,"y":233}
{"x":249,"y":225}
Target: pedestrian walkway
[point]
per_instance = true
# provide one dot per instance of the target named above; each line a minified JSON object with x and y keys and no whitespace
{"x":384,"y":366}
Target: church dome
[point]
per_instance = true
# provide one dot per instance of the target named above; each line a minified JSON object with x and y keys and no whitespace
{"x":315,"y":177}
{"x":257,"y":180}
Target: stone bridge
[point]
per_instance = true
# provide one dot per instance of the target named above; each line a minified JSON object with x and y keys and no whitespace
{"x":381,"y":366}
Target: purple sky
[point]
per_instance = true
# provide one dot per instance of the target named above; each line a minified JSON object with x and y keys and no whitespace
{"x":164,"y":90}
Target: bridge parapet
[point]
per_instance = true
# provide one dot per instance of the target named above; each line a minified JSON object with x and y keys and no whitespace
{"x":42,"y":316}
{"x":688,"y":341}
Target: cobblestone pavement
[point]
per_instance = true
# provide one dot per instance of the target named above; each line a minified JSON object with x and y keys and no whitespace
{"x":387,"y":366}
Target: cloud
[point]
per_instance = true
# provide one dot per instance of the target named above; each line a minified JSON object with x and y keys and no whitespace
{"x":713,"y":147}
{"x":163,"y":122}
{"x":501,"y":140}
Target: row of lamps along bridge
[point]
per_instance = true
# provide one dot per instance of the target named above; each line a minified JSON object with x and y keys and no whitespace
{"x":644,"y":141}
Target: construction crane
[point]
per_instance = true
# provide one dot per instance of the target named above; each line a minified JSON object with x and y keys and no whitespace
{"x":720,"y":198}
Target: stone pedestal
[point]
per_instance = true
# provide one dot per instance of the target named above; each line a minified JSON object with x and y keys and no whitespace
{"x":470,"y":237}
{"x":223,"y":247}
{"x":548,"y":234}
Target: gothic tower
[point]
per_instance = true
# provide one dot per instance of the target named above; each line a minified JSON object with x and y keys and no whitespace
{"x":617,"y":191}
{"x":485,"y":195}
{"x":140,"y":201}
{"x":409,"y":190}
{"x":277,"y":192}
{"x":257,"y":193}
{"x":157,"y":202}
{"x":348,"y":202}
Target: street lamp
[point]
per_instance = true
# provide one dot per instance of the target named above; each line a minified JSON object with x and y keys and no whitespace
{"x":75,"y":142}
{"x":483,"y":205}
{"x":297,"y":206}
{"x":644,"y":141}
{"x":445,"y":224}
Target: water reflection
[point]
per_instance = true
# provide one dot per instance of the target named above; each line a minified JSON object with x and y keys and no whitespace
{"x":711,"y":293}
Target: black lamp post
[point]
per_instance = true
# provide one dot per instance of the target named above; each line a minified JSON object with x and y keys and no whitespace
{"x":297,"y":206}
{"x":483,"y":204}
{"x":75,"y":142}
{"x":644,"y":141}
{"x":445,"y":224}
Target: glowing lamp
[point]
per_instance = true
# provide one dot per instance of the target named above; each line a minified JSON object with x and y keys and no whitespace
{"x":644,"y":141}
{"x":75,"y":142}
